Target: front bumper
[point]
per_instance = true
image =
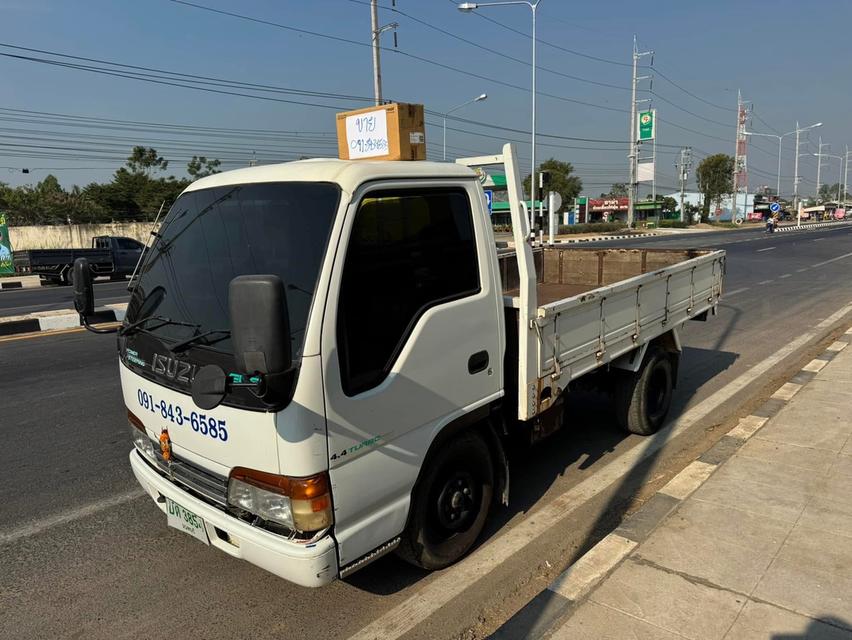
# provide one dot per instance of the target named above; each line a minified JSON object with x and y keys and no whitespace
{"x":308,"y":565}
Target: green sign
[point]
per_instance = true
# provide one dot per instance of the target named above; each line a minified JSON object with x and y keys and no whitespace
{"x":5,"y":248}
{"x":647,"y":125}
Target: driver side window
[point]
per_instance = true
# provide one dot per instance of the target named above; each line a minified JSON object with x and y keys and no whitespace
{"x":408,"y":251}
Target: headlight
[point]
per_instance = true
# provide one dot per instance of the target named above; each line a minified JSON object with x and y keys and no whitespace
{"x":265,"y":504}
{"x":140,"y":437}
{"x":303,"y":504}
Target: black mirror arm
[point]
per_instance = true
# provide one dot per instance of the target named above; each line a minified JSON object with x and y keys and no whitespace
{"x":85,"y":321}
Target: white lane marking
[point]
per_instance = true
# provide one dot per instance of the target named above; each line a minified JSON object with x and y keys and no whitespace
{"x":37,"y":526}
{"x":578,"y":579}
{"x":766,"y":249}
{"x":763,"y":282}
{"x":820,"y":264}
{"x":786,"y":275}
{"x":452,"y":582}
{"x":802,"y":270}
{"x":817,"y":239}
{"x":735,"y":291}
{"x":688,"y":480}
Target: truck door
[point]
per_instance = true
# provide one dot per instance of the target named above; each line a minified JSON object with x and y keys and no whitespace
{"x":412,"y":340}
{"x":125,"y":253}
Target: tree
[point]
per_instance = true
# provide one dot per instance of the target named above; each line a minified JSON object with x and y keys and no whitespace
{"x":829,"y":192}
{"x":715,"y":179}
{"x":144,"y":160}
{"x":669,"y":204}
{"x":617,"y":190}
{"x":201,"y":167}
{"x":561,"y":180}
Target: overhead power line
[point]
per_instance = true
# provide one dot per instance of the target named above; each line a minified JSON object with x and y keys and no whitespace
{"x":490,"y":50}
{"x":397,"y":51}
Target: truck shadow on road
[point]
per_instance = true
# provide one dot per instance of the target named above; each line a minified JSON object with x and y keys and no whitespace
{"x":590,"y":435}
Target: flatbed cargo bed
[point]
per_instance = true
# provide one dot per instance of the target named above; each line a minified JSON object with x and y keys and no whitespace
{"x":593,"y":306}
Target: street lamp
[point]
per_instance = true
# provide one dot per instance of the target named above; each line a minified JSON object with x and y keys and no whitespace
{"x":467,"y":7}
{"x":779,"y":138}
{"x":479,"y":98}
{"x":796,"y":170}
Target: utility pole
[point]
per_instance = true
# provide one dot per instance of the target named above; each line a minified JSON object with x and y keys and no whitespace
{"x":819,"y":167}
{"x":634,"y":134}
{"x":377,"y":32}
{"x":740,"y":158}
{"x":846,"y":176}
{"x":377,"y":63}
{"x":683,"y":167}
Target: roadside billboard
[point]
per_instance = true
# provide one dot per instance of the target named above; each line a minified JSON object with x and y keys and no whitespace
{"x":6,"y":266}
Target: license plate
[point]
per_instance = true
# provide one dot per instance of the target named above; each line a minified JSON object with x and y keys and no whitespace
{"x":185,"y":520}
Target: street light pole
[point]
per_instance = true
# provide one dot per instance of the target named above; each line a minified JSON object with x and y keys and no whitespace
{"x":479,"y":98}
{"x":377,"y":32}
{"x":467,"y":7}
{"x":796,"y":170}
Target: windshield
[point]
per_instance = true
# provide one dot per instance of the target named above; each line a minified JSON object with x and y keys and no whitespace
{"x":211,"y":236}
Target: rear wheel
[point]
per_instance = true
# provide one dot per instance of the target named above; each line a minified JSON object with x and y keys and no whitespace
{"x":68,"y":276}
{"x":643,"y":399}
{"x":450,"y":503}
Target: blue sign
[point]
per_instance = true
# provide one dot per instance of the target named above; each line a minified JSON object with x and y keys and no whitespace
{"x":489,"y":199}
{"x":775,"y":207}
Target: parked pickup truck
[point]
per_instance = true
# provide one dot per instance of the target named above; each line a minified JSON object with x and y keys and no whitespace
{"x":323,"y":361}
{"x":109,"y":256}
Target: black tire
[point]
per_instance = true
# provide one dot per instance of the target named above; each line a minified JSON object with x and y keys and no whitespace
{"x":68,"y":276}
{"x":450,"y":503}
{"x":643,"y":399}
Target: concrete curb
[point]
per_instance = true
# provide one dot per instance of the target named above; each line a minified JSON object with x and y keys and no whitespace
{"x":24,"y":282}
{"x":569,"y":589}
{"x":812,"y":226}
{"x":62,"y":319}
{"x":599,"y":238}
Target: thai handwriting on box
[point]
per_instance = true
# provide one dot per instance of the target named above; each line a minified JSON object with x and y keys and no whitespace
{"x":367,"y":134}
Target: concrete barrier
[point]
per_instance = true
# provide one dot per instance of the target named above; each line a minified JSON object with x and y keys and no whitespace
{"x":65,"y":236}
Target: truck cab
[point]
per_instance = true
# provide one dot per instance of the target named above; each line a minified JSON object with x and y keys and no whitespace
{"x":125,"y":253}
{"x":384,"y":266}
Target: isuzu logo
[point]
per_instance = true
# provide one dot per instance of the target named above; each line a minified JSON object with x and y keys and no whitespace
{"x":172,"y":368}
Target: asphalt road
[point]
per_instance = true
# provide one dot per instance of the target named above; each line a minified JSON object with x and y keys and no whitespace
{"x":17,"y":302}
{"x":90,"y":559}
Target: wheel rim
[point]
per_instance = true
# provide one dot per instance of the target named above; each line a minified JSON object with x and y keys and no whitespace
{"x":456,"y":504}
{"x":658,"y":391}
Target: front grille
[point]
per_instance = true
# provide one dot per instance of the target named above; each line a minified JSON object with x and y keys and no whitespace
{"x":212,"y":487}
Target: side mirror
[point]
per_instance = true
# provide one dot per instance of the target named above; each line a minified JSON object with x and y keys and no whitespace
{"x":260,"y":325}
{"x":84,"y":294}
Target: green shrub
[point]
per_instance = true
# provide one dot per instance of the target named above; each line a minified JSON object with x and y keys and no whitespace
{"x":591,"y":227}
{"x":673,"y":224}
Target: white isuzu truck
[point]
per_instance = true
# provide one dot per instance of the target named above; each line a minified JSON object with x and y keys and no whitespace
{"x":323,"y":360}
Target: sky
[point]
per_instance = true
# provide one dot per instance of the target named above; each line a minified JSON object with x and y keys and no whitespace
{"x":296,"y":63}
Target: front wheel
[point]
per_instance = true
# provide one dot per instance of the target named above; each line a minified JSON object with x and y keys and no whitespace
{"x":450,"y":503}
{"x":643,"y":399}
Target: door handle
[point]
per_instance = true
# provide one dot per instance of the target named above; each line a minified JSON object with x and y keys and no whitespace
{"x":477,"y":362}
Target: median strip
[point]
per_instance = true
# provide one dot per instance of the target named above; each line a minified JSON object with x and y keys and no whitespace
{"x":46,"y":321}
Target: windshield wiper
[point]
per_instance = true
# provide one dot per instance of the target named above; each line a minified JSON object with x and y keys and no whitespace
{"x":184,"y":344}
{"x":133,"y":327}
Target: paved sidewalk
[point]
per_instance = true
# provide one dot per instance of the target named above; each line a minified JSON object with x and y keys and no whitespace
{"x":754,"y":539}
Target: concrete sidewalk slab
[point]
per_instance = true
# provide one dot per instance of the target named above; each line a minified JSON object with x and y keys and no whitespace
{"x":762,"y":548}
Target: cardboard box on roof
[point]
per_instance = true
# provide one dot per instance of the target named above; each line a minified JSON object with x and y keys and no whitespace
{"x":387,"y":132}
